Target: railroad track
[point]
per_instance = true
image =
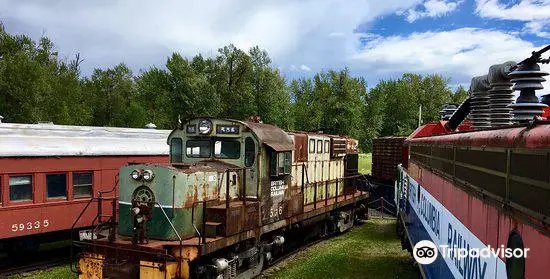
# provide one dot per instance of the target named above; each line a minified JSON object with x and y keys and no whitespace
{"x":297,"y":250}
{"x":301,"y":248}
{"x":22,"y":264}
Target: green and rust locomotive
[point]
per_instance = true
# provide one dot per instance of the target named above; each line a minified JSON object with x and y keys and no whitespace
{"x":235,"y":196}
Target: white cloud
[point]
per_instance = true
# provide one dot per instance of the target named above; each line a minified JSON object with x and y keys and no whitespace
{"x":431,"y":8}
{"x":305,"y":68}
{"x":301,"y":37}
{"x":536,"y":14}
{"x":525,"y":10}
{"x":301,"y":68}
{"x":460,"y":54}
{"x":143,"y":33}
{"x":539,"y":28}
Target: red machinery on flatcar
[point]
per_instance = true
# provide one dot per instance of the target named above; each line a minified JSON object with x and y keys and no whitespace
{"x":48,"y":173}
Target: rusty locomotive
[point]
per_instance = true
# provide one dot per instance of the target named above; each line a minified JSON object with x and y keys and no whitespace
{"x":235,"y":195}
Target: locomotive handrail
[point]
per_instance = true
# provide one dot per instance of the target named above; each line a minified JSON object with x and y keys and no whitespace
{"x":337,"y":182}
{"x":100,"y":200}
{"x":203,"y":235}
{"x":92,"y":199}
{"x":171,"y":225}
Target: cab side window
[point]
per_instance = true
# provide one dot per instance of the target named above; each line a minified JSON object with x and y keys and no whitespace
{"x":280,"y":163}
{"x":249,"y":152}
{"x":176,"y":150}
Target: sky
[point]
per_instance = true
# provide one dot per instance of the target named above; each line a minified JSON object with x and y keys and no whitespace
{"x":376,"y":39}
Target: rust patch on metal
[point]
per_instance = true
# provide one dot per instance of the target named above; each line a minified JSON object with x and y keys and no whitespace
{"x":205,"y":192}
{"x":300,"y":147}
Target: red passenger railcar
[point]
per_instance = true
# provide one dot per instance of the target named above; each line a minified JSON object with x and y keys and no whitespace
{"x":48,"y":173}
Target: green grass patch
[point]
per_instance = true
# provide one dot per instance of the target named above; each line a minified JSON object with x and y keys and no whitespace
{"x":365,"y":163}
{"x":369,"y":251}
{"x":59,"y":272}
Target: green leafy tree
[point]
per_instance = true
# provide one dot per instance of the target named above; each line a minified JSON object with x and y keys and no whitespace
{"x":271,"y":100}
{"x":114,"y":98}
{"x":459,"y":95}
{"x":191,"y":93}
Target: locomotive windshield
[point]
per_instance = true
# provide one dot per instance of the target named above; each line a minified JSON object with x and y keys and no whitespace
{"x":227,"y":149}
{"x":223,"y":149}
{"x":198,"y":149}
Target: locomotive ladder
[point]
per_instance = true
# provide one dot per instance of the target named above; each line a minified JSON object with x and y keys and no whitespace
{"x":110,"y":223}
{"x":215,"y":213}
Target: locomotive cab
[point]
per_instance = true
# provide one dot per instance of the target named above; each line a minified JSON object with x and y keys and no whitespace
{"x":212,"y":162}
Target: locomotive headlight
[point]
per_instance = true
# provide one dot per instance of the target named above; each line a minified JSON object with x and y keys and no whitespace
{"x":136,"y":174}
{"x":148,"y":175}
{"x":205,"y":127}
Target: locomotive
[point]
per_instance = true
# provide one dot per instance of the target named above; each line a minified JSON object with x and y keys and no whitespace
{"x":482,"y":184}
{"x":235,"y":196}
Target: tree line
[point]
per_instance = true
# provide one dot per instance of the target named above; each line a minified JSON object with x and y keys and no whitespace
{"x":37,"y":85}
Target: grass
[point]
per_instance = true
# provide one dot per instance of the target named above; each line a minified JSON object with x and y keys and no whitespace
{"x":365,"y":163}
{"x":59,"y":272}
{"x":369,"y":251}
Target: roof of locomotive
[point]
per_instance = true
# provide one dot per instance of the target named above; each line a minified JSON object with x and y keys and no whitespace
{"x":271,"y":136}
{"x":267,"y":134}
{"x":533,"y":135}
{"x":47,"y":140}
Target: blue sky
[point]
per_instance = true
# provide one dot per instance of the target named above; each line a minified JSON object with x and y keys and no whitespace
{"x":375,"y":39}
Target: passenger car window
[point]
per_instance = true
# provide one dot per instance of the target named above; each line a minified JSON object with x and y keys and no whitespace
{"x":56,"y":185}
{"x":319,"y":146}
{"x":82,"y":185}
{"x":198,"y":149}
{"x":249,"y":152}
{"x":21,"y":188}
{"x":327,"y":146}
{"x":311,"y":146}
{"x":227,"y":149}
{"x":175,"y":150}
